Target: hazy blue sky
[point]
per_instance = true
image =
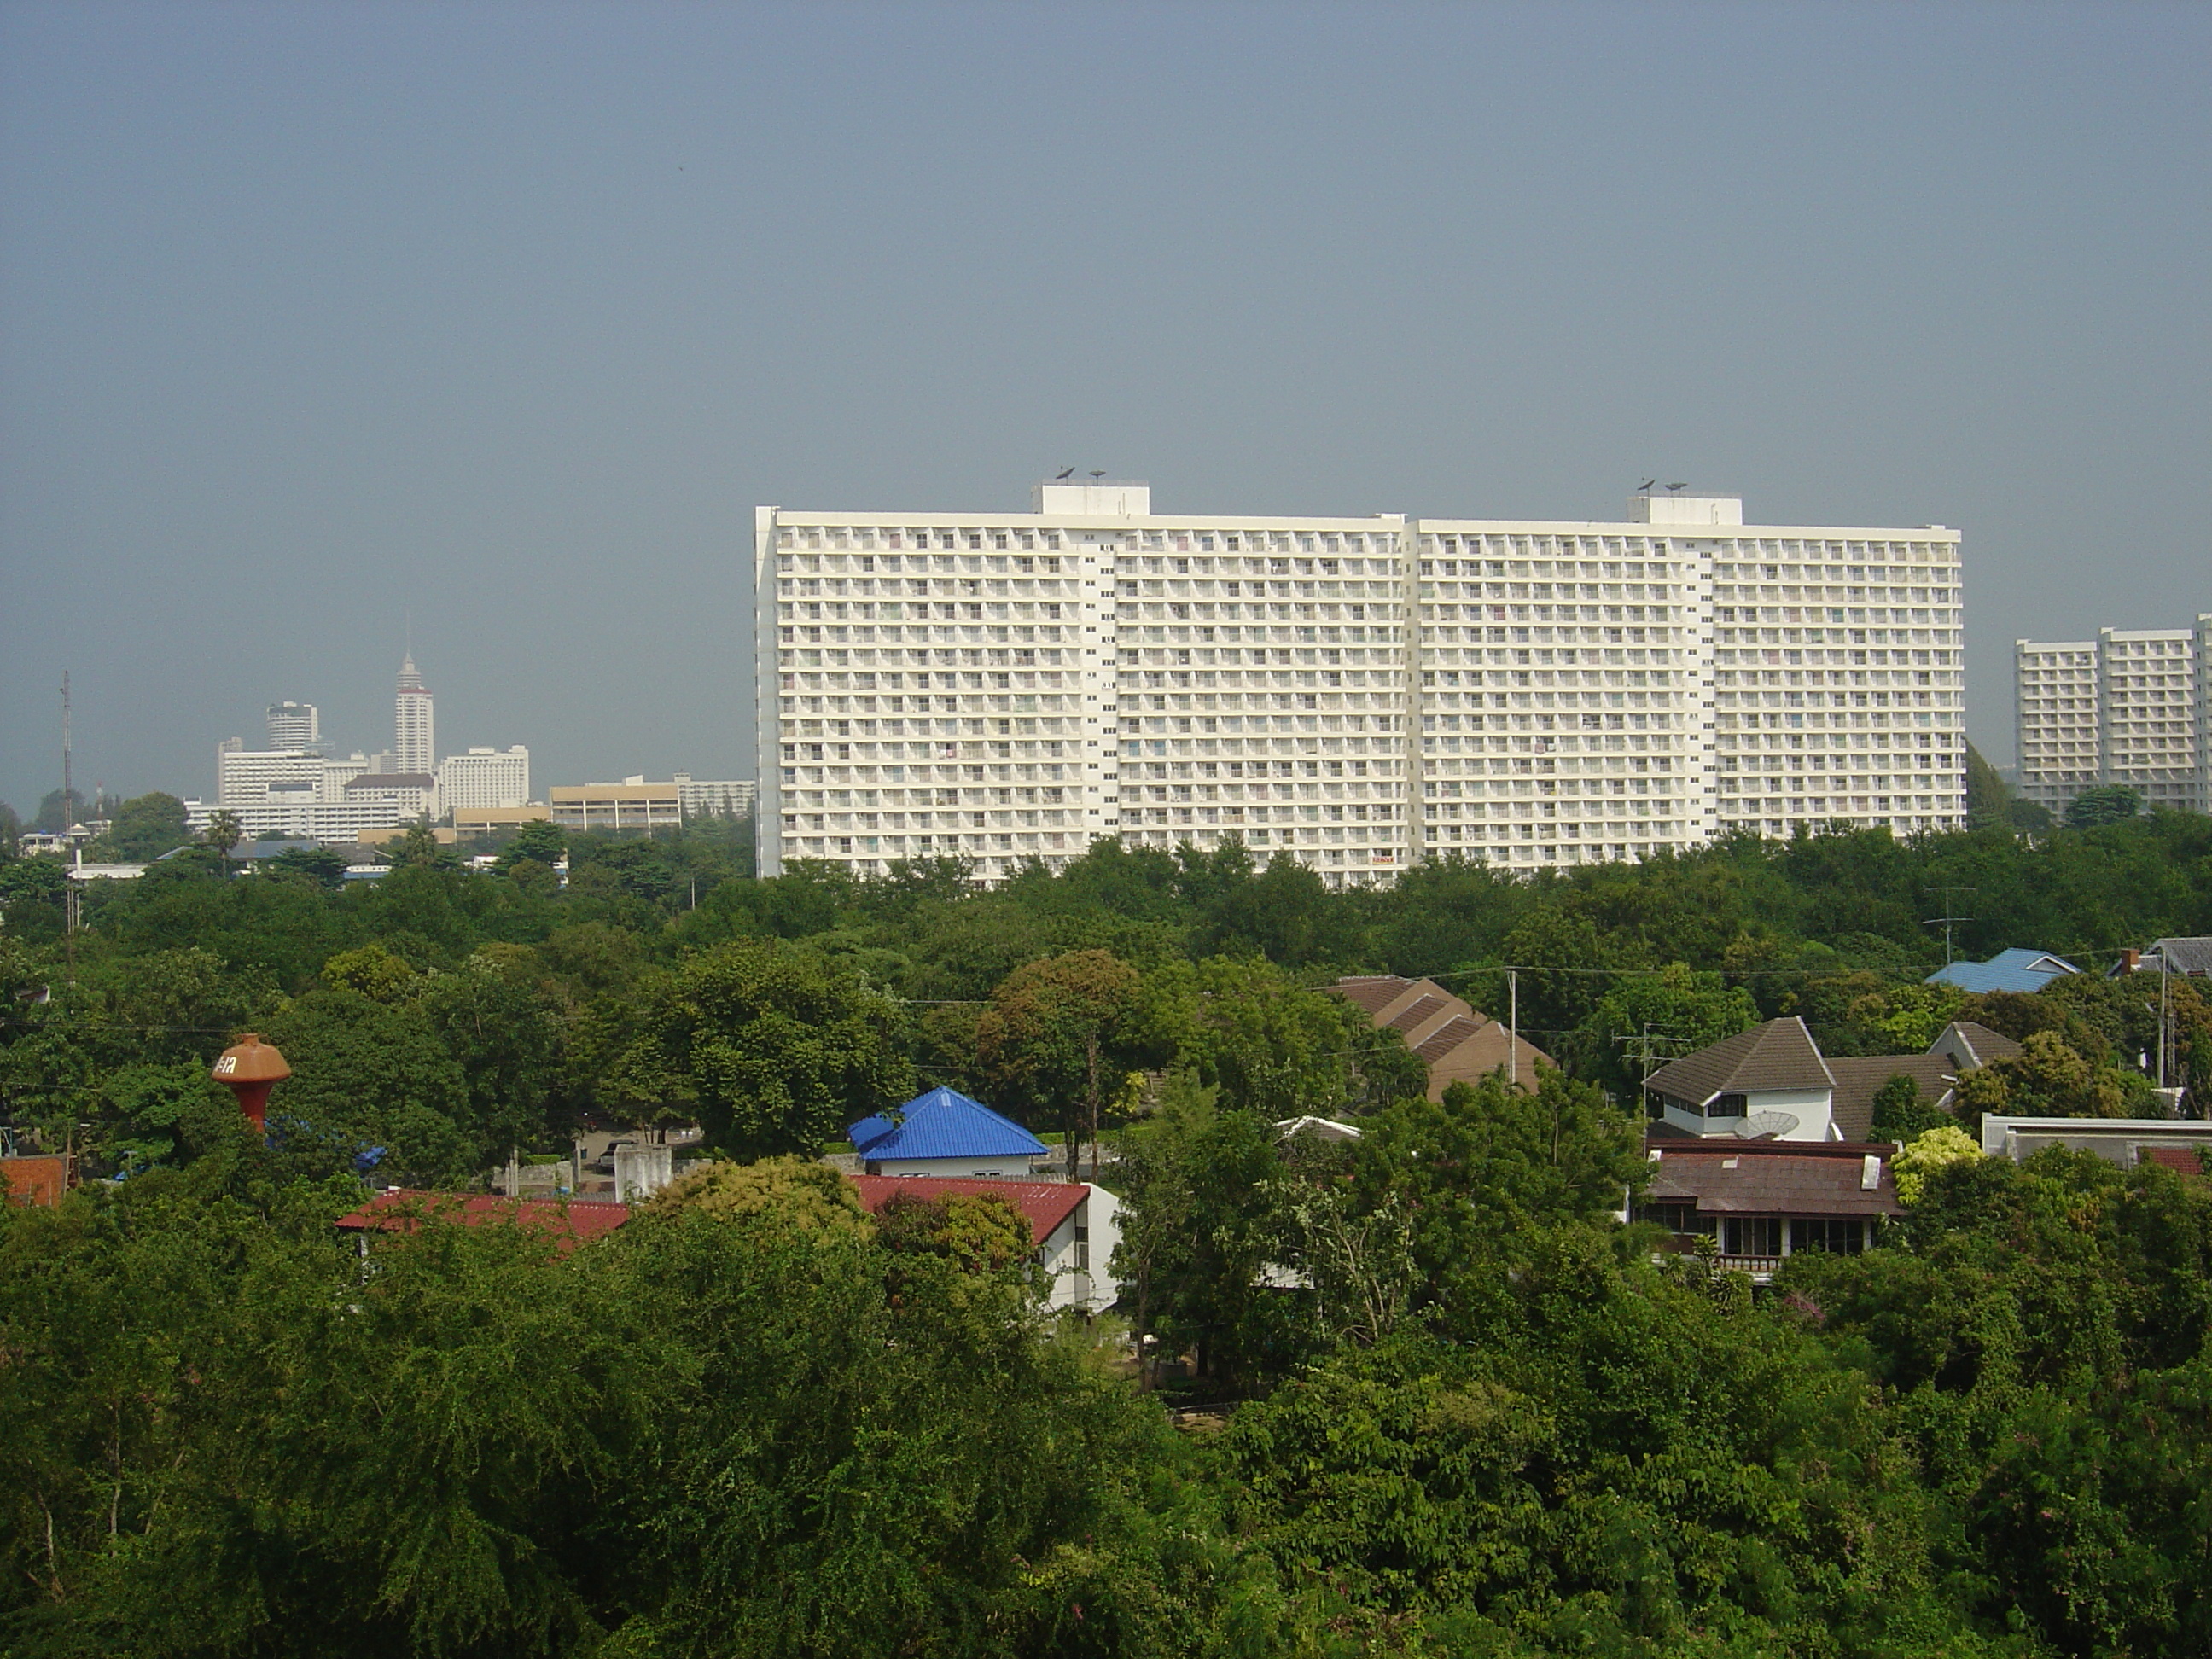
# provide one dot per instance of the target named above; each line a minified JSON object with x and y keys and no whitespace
{"x":311,"y":316}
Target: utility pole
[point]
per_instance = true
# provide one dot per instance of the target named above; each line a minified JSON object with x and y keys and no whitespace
{"x":1946,"y":918}
{"x":72,"y":886}
{"x":1513,"y":1028}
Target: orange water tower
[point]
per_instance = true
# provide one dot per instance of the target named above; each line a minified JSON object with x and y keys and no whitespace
{"x":250,"y":1068}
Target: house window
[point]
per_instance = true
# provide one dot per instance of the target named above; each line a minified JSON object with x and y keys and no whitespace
{"x":1844,"y":1235}
{"x":1752,"y":1235}
{"x":1675,"y":1218}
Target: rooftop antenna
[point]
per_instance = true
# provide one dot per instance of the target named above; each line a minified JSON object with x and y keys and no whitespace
{"x":1100,"y":473}
{"x":1946,"y":918}
{"x":1065,"y":473}
{"x":1676,"y":488}
{"x":1645,"y":488}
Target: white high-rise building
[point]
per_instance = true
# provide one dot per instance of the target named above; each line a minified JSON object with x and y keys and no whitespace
{"x":2055,"y":720}
{"x":414,"y":745}
{"x":2127,"y":707}
{"x":294,"y":726}
{"x":484,"y":778}
{"x":1361,"y":692}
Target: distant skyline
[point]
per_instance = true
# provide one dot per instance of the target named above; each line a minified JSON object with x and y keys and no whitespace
{"x":315,"y":316}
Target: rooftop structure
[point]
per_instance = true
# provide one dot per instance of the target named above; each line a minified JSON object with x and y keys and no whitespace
{"x":569,"y":1223}
{"x":1074,"y":1226}
{"x":1360,"y":693}
{"x":944,"y":1133}
{"x":1762,"y":1202}
{"x":2008,"y":970}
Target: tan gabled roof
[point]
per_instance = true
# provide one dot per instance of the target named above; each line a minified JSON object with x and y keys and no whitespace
{"x":1779,"y":1055}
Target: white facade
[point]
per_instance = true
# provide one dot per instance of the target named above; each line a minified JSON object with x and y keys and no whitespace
{"x":484,"y":778}
{"x":292,"y":777}
{"x":2130,"y":708}
{"x":730,"y":797}
{"x":2055,"y":711}
{"x":414,"y":745}
{"x":1362,"y":693}
{"x":336,"y":823}
{"x":2148,"y":711}
{"x":294,"y":726}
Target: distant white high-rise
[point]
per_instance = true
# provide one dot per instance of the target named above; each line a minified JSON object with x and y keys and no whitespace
{"x":1361,"y":693}
{"x":414,"y":748}
{"x":296,"y":725}
{"x":2125,"y":708}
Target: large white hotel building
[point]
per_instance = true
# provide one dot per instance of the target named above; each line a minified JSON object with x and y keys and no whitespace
{"x":1363,"y":693}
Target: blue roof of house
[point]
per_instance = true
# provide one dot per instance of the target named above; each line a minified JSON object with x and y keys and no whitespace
{"x":2008,"y":970}
{"x":943,"y":1123}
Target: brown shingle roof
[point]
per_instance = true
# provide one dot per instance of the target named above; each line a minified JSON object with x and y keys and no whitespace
{"x":1447,"y":1037}
{"x":1779,"y":1055}
{"x":1372,"y":993}
{"x":1860,"y":1079}
{"x":1418,"y":1011}
{"x":1724,"y":1181}
{"x":1987,"y":1045}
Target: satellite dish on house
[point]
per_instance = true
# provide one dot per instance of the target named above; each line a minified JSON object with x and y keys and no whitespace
{"x":1763,"y":1126}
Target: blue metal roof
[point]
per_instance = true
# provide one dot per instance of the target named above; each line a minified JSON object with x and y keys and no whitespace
{"x":943,"y":1123}
{"x":2008,"y":970}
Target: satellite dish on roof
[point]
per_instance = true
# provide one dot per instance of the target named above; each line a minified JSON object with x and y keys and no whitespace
{"x":1764,"y":1126}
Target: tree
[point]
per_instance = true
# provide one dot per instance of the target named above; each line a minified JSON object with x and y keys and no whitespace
{"x":1900,"y":1113}
{"x":1065,"y":1033}
{"x":1989,"y":801}
{"x":148,"y":826}
{"x":51,"y":819}
{"x":790,"y":1196}
{"x":779,"y":1049}
{"x":1489,"y":1168}
{"x":371,"y":1088}
{"x":2103,"y":803}
{"x":419,"y":847}
{"x":540,"y":841}
{"x":1936,"y":1148}
{"x":1646,"y":1019}
{"x":320,"y":867}
{"x":223,"y":833}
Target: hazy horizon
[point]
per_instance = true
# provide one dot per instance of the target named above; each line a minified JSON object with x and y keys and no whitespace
{"x":319,"y":323}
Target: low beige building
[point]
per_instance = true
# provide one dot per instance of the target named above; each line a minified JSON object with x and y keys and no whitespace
{"x":632,"y":804}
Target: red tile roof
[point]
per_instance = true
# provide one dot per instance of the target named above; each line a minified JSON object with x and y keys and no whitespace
{"x":573,"y":1223}
{"x":1043,"y":1204}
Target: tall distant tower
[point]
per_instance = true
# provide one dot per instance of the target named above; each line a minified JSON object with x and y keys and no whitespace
{"x":296,"y":725}
{"x":413,"y":747}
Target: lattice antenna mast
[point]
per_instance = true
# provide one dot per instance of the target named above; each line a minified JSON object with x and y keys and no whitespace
{"x":1946,"y":921}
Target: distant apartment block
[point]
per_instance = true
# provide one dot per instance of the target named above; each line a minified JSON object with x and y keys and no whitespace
{"x":729,"y":798}
{"x":1361,"y":692}
{"x":484,"y":778}
{"x":2126,"y":708}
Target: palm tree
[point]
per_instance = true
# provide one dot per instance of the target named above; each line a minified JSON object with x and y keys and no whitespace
{"x":224,"y":832}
